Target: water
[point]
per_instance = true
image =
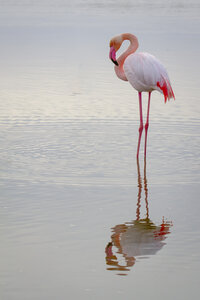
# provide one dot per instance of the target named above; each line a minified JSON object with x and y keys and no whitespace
{"x":79,"y":217}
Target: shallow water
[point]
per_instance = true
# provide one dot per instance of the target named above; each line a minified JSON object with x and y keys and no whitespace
{"x":79,"y":217}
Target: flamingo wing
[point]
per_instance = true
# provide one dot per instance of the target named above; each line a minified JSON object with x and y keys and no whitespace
{"x":146,"y":73}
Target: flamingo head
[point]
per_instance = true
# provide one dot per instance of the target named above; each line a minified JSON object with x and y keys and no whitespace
{"x":115,"y":44}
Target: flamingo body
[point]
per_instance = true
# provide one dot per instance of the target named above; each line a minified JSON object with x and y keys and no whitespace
{"x":144,"y":72}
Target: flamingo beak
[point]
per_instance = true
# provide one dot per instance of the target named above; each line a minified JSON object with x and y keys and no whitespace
{"x":112,"y":55}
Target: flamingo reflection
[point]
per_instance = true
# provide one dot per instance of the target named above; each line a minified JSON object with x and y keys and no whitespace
{"x":139,"y":238}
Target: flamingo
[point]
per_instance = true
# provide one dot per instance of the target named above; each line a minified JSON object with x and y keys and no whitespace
{"x":144,"y":72}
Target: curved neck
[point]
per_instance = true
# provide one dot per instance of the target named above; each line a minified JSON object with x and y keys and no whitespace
{"x":131,"y":49}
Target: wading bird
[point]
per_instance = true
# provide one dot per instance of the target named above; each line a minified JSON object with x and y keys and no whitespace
{"x":144,"y":72}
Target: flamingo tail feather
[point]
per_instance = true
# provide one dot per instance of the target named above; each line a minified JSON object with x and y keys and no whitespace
{"x":166,"y":89}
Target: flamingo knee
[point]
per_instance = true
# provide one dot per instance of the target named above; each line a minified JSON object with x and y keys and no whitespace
{"x":140,"y":129}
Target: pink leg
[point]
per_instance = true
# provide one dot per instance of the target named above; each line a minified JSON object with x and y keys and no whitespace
{"x":141,"y":123}
{"x":147,"y":125}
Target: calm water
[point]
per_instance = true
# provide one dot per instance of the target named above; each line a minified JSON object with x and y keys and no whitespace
{"x":79,"y":218}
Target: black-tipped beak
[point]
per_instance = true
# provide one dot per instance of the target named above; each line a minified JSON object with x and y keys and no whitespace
{"x":115,"y":62}
{"x":112,"y":55}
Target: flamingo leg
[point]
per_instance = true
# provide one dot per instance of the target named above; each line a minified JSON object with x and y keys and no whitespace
{"x":147,"y":125}
{"x":139,"y":191}
{"x":146,"y":189}
{"x":141,"y":123}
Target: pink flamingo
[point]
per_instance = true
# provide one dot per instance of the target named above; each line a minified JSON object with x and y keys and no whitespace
{"x":144,"y":72}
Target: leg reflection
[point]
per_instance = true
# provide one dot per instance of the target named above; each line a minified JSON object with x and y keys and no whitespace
{"x":138,"y":238}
